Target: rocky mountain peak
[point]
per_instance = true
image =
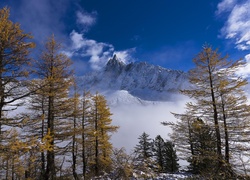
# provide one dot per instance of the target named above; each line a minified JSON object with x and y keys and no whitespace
{"x":114,"y":64}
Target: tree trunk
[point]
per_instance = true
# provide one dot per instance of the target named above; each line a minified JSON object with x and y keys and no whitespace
{"x":215,"y":112}
{"x":84,"y":163}
{"x":96,"y":142}
{"x":50,"y":170}
{"x":226,"y":131}
{"x":74,"y":151}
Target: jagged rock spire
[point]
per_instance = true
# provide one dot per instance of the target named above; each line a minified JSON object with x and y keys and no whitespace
{"x":115,"y":57}
{"x":115,"y":64}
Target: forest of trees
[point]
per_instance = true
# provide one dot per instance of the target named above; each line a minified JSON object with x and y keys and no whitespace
{"x":155,"y":156}
{"x":64,"y":132}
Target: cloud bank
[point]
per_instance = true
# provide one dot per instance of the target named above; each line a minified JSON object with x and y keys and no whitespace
{"x":134,"y":119}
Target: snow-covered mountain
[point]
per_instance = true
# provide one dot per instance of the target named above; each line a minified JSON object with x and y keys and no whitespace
{"x":137,"y":81}
{"x":140,"y":96}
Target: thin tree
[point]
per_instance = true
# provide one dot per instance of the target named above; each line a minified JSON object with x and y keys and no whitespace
{"x":75,"y":115}
{"x":102,"y":128}
{"x":54,"y":71}
{"x":233,"y":106}
{"x":36,"y":125}
{"x":86,"y":127}
{"x":205,"y":76}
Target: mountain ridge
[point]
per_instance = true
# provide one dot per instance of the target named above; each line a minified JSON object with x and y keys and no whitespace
{"x":140,"y":79}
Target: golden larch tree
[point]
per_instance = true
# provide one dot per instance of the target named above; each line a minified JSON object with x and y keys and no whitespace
{"x":15,"y":47}
{"x":53,"y":70}
{"x":102,"y":129}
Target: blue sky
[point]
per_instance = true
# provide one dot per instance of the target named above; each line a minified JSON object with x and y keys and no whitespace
{"x":162,"y":32}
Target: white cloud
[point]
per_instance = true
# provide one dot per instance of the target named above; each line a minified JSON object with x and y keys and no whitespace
{"x":86,"y":19}
{"x":77,"y":40}
{"x":238,"y":23}
{"x":245,"y":71}
{"x":225,"y":6}
{"x":98,"y":52}
{"x":125,"y":56}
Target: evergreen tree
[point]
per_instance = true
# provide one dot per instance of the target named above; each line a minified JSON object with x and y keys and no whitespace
{"x":159,"y":152}
{"x":196,"y":143}
{"x":165,"y":155}
{"x":204,"y":148}
{"x":144,"y":148}
{"x":171,"y":161}
{"x":143,"y":161}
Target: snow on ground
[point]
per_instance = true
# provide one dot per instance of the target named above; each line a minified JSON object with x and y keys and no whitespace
{"x":176,"y":176}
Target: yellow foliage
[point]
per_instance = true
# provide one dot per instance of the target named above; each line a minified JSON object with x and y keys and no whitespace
{"x":47,"y":142}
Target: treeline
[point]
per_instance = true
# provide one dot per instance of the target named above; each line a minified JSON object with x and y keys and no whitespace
{"x":149,"y":159}
{"x":154,"y":156}
{"x":213,"y":134}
